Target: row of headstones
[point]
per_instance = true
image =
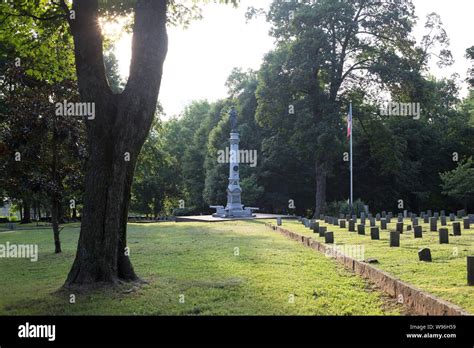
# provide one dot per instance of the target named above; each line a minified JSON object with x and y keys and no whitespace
{"x":423,"y":254}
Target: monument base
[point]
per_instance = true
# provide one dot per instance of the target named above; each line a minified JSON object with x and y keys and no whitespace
{"x":227,"y":212}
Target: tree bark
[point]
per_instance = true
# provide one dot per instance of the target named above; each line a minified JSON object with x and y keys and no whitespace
{"x":26,"y":219}
{"x":320,"y":197}
{"x":115,"y":137}
{"x":55,"y":223}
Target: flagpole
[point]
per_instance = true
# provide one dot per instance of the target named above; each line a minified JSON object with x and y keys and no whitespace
{"x":351,"y":163}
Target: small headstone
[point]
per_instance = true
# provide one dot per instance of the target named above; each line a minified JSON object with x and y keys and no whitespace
{"x":389,"y":219}
{"x":415,"y":222}
{"x":322,"y":230}
{"x":436,"y":215}
{"x":279,"y":221}
{"x":335,"y":222}
{"x":470,"y":270}
{"x":316,"y":227}
{"x":425,"y":255}
{"x":408,"y":227}
{"x":426,"y":219}
{"x":418,"y":231}
{"x":362,"y":215}
{"x":384,"y":214}
{"x":342,"y":223}
{"x":390,"y":214}
{"x":373,"y":261}
{"x":443,"y":220}
{"x":321,"y":217}
{"x":329,"y":238}
{"x":467,"y":223}
{"x":471,"y":218}
{"x":374,"y":233}
{"x":452,"y":217}
{"x":299,"y":219}
{"x":383,"y":224}
{"x":352,"y":225}
{"x":443,"y":212}
{"x":361,"y":229}
{"x":362,"y":221}
{"x":430,"y":214}
{"x":394,"y":239}
{"x":405,"y":214}
{"x":433,"y":224}
{"x":457,"y":228}
{"x":400,"y":219}
{"x":400,"y":227}
{"x":372,"y":222}
{"x":443,"y":236}
{"x":461,"y":213}
{"x":377,"y":217}
{"x":326,"y":219}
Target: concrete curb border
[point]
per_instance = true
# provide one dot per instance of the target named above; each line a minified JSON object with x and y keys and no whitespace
{"x":419,"y":301}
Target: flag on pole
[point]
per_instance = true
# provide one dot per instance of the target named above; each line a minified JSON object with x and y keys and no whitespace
{"x":349,"y":124}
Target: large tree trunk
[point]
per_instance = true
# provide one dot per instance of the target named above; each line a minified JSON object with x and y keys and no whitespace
{"x":26,"y":219}
{"x":119,"y":130}
{"x":55,"y":222}
{"x":320,"y":197}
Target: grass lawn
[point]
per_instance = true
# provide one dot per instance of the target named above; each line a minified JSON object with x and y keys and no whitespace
{"x":445,"y":277}
{"x":196,"y":260}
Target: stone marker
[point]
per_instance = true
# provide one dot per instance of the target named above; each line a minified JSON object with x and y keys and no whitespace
{"x":452,"y":217}
{"x":329,"y":238}
{"x":436,"y":215}
{"x":429,"y":213}
{"x":394,"y":239}
{"x":326,"y":219}
{"x":362,"y":220}
{"x":408,"y":227}
{"x":433,"y":224}
{"x":418,"y":231}
{"x":400,"y":227}
{"x":424,"y":255}
{"x":351,"y":225}
{"x":383,"y":224}
{"x":467,"y":223}
{"x":457,"y":228}
{"x":377,"y":217}
{"x":443,"y":220}
{"x":415,"y":222}
{"x":335,"y":222}
{"x":443,"y":212}
{"x":443,"y":236}
{"x":426,"y":219}
{"x":279,"y":221}
{"x":342,"y":223}
{"x":372,"y":222}
{"x":361,"y":229}
{"x":316,"y":227}
{"x":374,"y":233}
{"x":471,"y":218}
{"x":470,"y":270}
{"x":384,"y":214}
{"x":461,"y":213}
{"x":299,"y":219}
{"x":389,"y":219}
{"x":400,"y":219}
{"x":322,"y":230}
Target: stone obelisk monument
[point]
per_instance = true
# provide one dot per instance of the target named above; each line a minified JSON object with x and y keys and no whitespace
{"x":234,"y":207}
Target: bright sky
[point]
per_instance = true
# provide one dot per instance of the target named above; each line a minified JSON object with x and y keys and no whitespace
{"x":201,"y":57}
